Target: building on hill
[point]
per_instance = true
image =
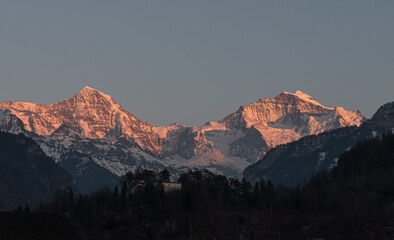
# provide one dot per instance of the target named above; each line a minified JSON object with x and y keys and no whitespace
{"x":170,"y":186}
{"x":25,"y":225}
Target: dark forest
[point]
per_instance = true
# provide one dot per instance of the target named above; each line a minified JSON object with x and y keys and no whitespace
{"x":353,"y":201}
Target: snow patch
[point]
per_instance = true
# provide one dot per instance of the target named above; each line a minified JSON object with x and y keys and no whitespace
{"x":322,"y":157}
{"x":163,"y":130}
{"x":305,"y":97}
{"x":374,"y":134}
{"x":334,"y":164}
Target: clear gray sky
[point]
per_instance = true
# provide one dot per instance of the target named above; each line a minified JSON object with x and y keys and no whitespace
{"x":196,"y":61}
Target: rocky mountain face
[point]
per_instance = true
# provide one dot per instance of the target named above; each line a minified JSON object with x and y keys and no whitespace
{"x":86,"y":174}
{"x":10,"y":122}
{"x":91,"y":114}
{"x":27,"y":175}
{"x":243,"y":137}
{"x":113,"y":140}
{"x":297,"y":161}
{"x":289,"y":117}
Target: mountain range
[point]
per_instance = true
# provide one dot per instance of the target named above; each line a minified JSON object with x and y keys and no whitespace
{"x":95,"y":139}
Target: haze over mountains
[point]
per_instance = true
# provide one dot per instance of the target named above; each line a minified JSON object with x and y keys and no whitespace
{"x":90,"y":131}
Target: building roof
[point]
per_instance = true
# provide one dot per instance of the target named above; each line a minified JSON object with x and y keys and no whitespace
{"x":25,"y":225}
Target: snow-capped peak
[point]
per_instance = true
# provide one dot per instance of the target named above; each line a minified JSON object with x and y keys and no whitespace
{"x":91,"y":93}
{"x":89,"y":88}
{"x":290,"y":111}
{"x":305,"y":97}
{"x":95,"y":113}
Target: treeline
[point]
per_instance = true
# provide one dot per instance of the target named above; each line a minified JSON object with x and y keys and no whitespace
{"x":354,"y":201}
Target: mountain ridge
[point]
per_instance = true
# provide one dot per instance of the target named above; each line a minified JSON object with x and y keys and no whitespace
{"x":91,"y":122}
{"x":94,"y":112}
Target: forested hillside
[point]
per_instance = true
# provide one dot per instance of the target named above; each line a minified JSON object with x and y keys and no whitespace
{"x":354,"y":201}
{"x":27,"y":175}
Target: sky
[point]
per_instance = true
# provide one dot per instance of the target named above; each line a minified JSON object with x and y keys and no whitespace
{"x":191,"y":62}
